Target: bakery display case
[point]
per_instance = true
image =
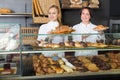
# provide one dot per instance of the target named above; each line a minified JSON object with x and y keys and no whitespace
{"x":9,"y":48}
{"x":21,"y":55}
{"x":107,"y":62}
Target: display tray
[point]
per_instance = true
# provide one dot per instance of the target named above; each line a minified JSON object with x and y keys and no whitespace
{"x":114,"y":46}
{"x":28,"y":70}
{"x":75,"y":48}
{"x":77,"y":73}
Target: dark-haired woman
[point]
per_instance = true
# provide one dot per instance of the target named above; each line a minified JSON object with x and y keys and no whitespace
{"x":86,"y":27}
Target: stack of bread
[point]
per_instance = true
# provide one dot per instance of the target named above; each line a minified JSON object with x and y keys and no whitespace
{"x":65,"y":3}
{"x":94,"y":4}
{"x":76,"y":3}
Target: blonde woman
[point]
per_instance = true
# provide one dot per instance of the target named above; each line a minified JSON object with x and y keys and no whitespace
{"x":53,"y":15}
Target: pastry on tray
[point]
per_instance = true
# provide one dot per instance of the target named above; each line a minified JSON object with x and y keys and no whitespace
{"x":100,"y":28}
{"x":99,"y":45}
{"x":64,"y":29}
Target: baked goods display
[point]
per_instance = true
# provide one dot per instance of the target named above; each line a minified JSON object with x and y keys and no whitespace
{"x":70,"y":44}
{"x":100,"y":27}
{"x":47,"y":65}
{"x":5,"y":10}
{"x":64,"y":29}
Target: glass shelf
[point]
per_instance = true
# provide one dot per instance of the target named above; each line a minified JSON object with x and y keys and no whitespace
{"x":109,"y":46}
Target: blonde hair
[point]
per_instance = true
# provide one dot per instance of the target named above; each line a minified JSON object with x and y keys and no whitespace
{"x":59,"y":12}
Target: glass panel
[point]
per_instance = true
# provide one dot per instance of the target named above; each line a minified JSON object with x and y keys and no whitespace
{"x":9,"y":34}
{"x":9,"y":49}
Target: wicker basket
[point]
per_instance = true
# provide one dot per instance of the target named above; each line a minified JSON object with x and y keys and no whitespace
{"x":29,"y":40}
{"x":40,"y":19}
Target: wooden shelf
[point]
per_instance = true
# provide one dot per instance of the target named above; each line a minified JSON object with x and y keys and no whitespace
{"x":75,"y":8}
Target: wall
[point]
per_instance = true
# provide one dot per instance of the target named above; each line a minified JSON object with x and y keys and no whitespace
{"x":101,"y":15}
{"x":18,"y":6}
{"x":70,"y":16}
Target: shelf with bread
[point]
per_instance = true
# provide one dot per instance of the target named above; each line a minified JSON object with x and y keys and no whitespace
{"x":68,"y":44}
{"x":47,"y":45}
{"x":78,"y":4}
{"x":6,"y":12}
{"x":71,"y":66}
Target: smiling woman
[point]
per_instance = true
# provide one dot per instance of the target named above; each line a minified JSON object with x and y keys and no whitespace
{"x":86,"y":27}
{"x":53,"y":15}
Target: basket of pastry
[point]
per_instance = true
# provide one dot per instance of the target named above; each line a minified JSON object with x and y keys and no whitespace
{"x":64,"y":29}
{"x":100,"y":28}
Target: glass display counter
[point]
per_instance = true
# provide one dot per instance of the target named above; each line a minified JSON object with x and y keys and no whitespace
{"x":32,"y":64}
{"x":10,"y":46}
{"x":106,"y":49}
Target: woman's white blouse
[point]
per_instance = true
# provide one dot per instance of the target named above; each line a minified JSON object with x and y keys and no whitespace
{"x":85,"y":29}
{"x":45,"y":29}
